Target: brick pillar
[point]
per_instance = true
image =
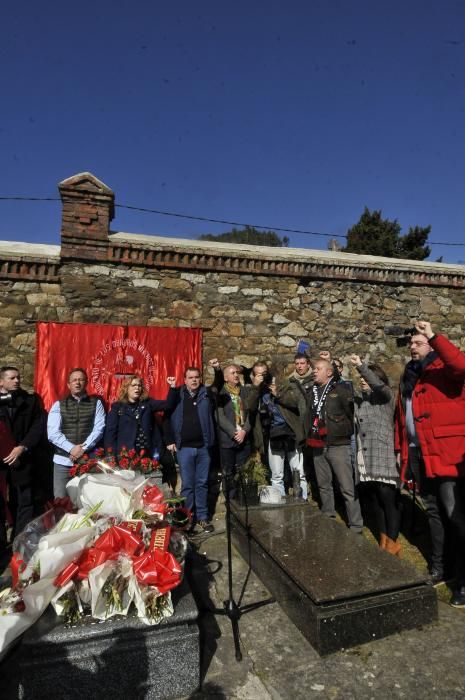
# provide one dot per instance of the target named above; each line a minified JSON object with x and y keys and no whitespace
{"x":88,"y":208}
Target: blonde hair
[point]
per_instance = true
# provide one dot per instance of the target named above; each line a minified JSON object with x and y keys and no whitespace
{"x":126,"y":383}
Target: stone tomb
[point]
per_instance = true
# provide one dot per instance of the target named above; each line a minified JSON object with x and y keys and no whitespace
{"x":337,"y":588}
{"x":120,"y":658}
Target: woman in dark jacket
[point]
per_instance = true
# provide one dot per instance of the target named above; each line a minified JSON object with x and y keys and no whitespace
{"x":376,"y":461}
{"x":131,"y":422}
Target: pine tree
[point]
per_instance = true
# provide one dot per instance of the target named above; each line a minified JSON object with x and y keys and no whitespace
{"x":373,"y":235}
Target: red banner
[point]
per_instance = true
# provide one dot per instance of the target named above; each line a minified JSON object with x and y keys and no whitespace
{"x":109,"y":354}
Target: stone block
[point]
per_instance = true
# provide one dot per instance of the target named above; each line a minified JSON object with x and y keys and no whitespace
{"x":252,"y":292}
{"x":119,"y":659}
{"x":228,"y":290}
{"x":185,"y":309}
{"x":337,"y":588}
{"x":22,"y":340}
{"x":37,"y":299}
{"x":294,"y":328}
{"x":175,"y":283}
{"x":236,"y":329}
{"x":99,"y":270}
{"x":220,"y":311}
{"x":152,"y":284}
{"x":279,"y":318}
{"x":287,"y":341}
{"x":192,"y":277}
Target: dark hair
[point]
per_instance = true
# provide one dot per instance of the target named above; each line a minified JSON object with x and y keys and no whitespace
{"x":78,"y":369}
{"x":8,"y":368}
{"x":380,"y":373}
{"x":259,"y":363}
{"x":302,"y":356}
{"x":192,"y":369}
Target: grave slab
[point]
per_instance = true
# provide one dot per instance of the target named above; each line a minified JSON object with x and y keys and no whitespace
{"x":120,"y":658}
{"x":337,"y":588}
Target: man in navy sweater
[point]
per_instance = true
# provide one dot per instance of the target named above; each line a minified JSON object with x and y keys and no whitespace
{"x":191,"y":434}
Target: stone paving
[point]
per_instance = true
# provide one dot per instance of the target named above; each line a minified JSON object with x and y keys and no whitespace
{"x":279,"y":663}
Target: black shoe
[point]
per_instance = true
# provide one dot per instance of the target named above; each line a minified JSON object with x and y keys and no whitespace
{"x":436,"y":576}
{"x":458,"y":598}
{"x":206,"y":526}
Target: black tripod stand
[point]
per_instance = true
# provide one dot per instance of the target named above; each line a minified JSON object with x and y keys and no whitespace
{"x":230,"y":608}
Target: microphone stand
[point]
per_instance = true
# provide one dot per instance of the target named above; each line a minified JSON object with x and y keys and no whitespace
{"x":230,"y":608}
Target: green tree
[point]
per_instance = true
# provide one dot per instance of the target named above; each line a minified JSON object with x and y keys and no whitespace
{"x":413,"y":244}
{"x":248,"y":235}
{"x":373,"y":235}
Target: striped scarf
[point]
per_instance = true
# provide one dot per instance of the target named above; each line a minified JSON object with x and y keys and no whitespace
{"x":238,"y":406}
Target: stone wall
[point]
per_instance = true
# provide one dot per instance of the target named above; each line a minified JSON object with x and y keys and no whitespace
{"x":251,"y":302}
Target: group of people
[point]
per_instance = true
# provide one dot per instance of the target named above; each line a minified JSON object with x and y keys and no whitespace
{"x":331,"y":433}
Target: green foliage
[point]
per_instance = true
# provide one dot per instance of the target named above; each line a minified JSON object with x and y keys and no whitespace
{"x":373,"y":235}
{"x":253,"y":471}
{"x":413,"y":244}
{"x":248,"y":235}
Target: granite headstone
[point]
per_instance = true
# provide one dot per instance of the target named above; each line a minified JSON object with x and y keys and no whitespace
{"x":337,"y":587}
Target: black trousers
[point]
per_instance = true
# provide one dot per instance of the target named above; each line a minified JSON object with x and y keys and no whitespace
{"x":232,"y":458}
{"x":385,"y":502}
{"x":444,"y":500}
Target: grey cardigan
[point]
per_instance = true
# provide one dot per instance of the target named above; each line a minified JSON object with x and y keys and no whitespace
{"x":374,"y":413}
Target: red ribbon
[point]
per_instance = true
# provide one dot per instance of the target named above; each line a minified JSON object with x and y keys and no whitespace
{"x":16,"y":565}
{"x":113,"y":542}
{"x":158,"y":568}
{"x":153,"y":500}
{"x":154,"y":567}
{"x":118,"y":539}
{"x":160,"y":538}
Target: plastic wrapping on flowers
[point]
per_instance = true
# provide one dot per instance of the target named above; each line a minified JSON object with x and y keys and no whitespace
{"x":120,"y":549}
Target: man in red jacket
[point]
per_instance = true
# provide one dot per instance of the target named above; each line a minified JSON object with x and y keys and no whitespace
{"x":430,"y":437}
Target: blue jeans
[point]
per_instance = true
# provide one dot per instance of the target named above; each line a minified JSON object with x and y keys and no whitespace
{"x":61,"y":476}
{"x":194,"y":466}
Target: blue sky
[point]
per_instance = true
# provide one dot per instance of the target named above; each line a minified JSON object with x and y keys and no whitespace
{"x":288,"y":114}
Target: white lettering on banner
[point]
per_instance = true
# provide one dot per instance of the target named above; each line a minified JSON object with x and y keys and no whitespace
{"x":113,"y":360}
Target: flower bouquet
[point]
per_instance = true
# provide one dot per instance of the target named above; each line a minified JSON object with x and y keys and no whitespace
{"x":119,"y":552}
{"x":105,"y":460}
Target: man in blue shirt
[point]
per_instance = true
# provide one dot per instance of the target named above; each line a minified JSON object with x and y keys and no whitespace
{"x":75,"y":425}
